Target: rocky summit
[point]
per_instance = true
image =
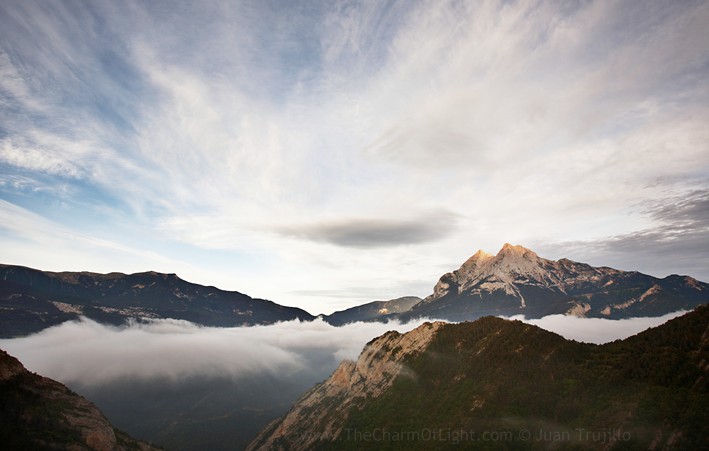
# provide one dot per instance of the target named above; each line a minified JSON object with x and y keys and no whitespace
{"x":517,"y":281}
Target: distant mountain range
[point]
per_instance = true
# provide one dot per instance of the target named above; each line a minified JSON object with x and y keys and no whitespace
{"x":515,"y":281}
{"x":373,"y":311}
{"x":471,"y":375}
{"x":501,"y":384}
{"x":31,"y":300}
{"x":38,"y":413}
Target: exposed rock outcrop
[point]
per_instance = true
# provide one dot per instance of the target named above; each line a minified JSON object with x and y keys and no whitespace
{"x":39,"y":413}
{"x":326,"y":405}
{"x":518,"y":281}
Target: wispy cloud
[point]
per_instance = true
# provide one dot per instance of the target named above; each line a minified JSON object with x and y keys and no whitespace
{"x":344,"y":123}
{"x":25,"y":237}
{"x":678,"y":239}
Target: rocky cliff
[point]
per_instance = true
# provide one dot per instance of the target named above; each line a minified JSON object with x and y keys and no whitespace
{"x":324,"y":409}
{"x":39,"y":413}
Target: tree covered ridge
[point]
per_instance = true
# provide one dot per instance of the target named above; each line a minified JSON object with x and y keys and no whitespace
{"x":500,"y":384}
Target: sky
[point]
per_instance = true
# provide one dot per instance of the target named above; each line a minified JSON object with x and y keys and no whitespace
{"x":323,"y":154}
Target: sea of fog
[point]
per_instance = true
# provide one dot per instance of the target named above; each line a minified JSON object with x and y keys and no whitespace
{"x":185,"y":386}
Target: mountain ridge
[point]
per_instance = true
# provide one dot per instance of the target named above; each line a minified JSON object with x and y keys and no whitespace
{"x":514,"y":281}
{"x":517,"y":281}
{"x":369,"y":376}
{"x":31,"y":300}
{"x":372,"y":311}
{"x":648,"y":391}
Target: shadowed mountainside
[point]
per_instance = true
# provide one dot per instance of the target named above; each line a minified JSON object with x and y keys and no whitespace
{"x":495,"y":383}
{"x":515,"y":281}
{"x":372,"y":311}
{"x":32,"y":300}
{"x":39,"y":413}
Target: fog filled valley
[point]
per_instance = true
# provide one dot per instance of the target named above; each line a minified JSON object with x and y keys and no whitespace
{"x":183,"y":386}
{"x":237,"y":372}
{"x":303,"y":225}
{"x":187,"y":387}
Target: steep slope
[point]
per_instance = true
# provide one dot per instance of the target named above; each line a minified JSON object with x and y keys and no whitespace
{"x":325,"y":407}
{"x":518,"y":281}
{"x":495,"y":383}
{"x":39,"y":413}
{"x":31,"y":300}
{"x":372,"y":311}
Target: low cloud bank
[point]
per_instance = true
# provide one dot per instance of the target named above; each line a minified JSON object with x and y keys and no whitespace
{"x":597,"y":330}
{"x":89,"y":353}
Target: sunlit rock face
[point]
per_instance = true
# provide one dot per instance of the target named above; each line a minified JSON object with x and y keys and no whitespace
{"x":518,"y":281}
{"x":499,"y":375}
{"x":349,"y":386}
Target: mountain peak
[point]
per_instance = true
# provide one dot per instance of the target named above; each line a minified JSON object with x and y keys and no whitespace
{"x":493,"y":272}
{"x":473,"y":263}
{"x":510,"y":249}
{"x":519,"y":278}
{"x":480,"y":255}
